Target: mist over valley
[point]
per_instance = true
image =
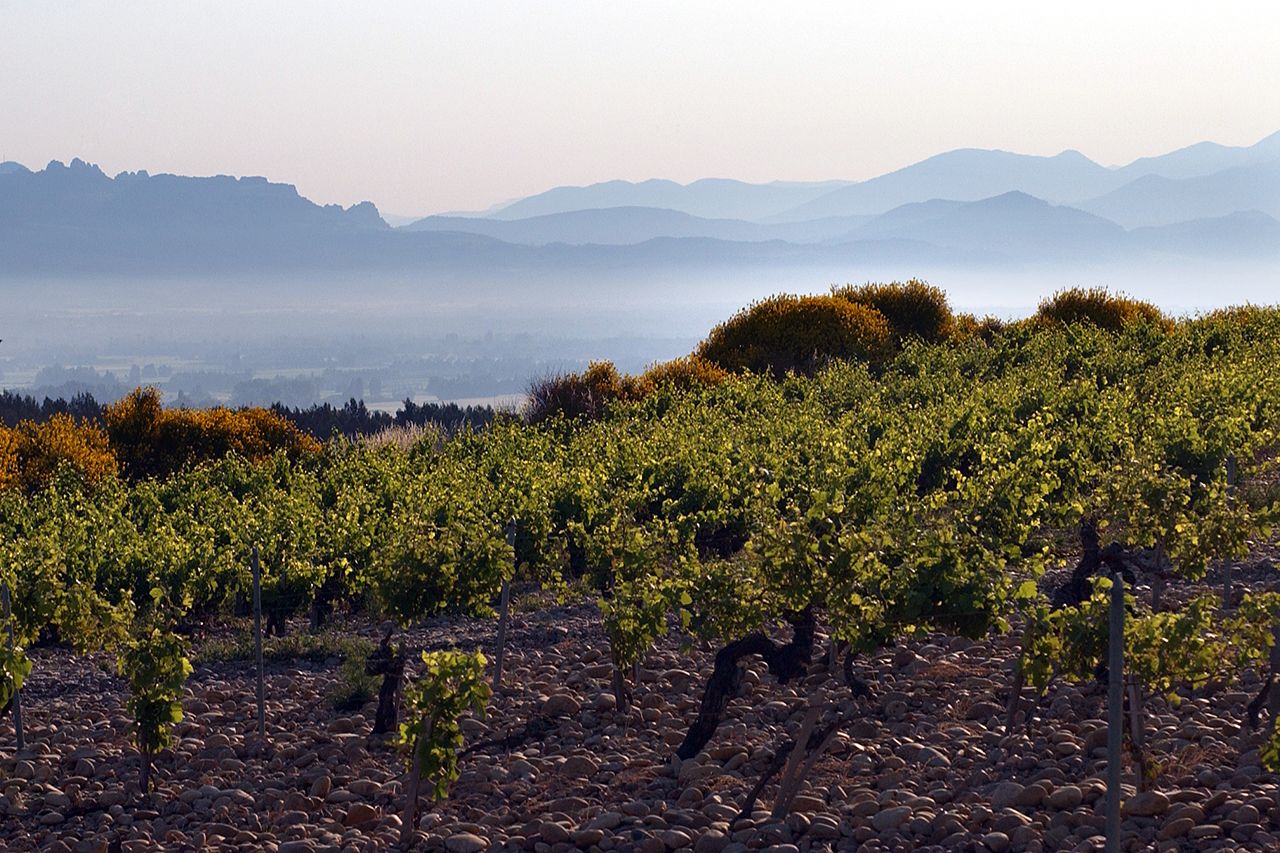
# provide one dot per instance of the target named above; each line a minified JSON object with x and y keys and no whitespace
{"x":242,"y":291}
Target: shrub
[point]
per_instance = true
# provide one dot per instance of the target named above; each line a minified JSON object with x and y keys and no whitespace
{"x":969,"y":327}
{"x":691,"y":371}
{"x":354,"y":688}
{"x":587,"y":394}
{"x":797,"y":333}
{"x":1097,"y":306}
{"x":914,"y":309}
{"x":31,"y":453}
{"x":583,"y":394}
{"x":150,"y":440}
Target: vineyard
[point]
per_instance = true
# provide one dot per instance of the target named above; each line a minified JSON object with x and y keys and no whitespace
{"x":771,"y":596}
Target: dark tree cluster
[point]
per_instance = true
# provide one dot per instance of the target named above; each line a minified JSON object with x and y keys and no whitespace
{"x":16,"y":407}
{"x":322,"y":420}
{"x":354,"y":418}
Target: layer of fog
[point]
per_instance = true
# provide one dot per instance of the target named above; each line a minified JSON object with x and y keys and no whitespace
{"x":253,"y":340}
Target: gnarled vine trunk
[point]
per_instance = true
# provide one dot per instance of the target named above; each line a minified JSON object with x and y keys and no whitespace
{"x":388,"y":663}
{"x":785,"y":660}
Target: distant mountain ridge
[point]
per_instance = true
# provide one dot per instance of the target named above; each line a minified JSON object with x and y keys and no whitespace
{"x":1158,"y":200}
{"x":710,"y":198}
{"x":968,"y":206}
{"x":967,"y":174}
{"x":1012,"y":224}
{"x":82,"y":194}
{"x":1204,"y":158}
{"x":620,"y":226}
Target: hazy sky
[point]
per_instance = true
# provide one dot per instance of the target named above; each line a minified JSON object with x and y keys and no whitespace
{"x":423,"y":107}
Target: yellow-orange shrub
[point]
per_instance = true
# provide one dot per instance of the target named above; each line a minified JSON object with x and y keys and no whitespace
{"x":31,"y":453}
{"x":150,"y":440}
{"x":913,"y":308}
{"x":1099,"y":307}
{"x":690,"y":371}
{"x":969,"y":327}
{"x":797,"y":333}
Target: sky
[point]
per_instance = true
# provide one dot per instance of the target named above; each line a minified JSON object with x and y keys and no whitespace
{"x":425,"y":107}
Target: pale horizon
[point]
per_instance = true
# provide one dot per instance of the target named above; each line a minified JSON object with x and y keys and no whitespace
{"x":430,"y":109}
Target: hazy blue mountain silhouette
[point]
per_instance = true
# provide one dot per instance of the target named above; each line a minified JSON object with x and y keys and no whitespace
{"x":968,"y":174}
{"x":1246,"y":234}
{"x":80,"y":194}
{"x":963,"y":207}
{"x":712,"y":198}
{"x":630,"y":225}
{"x":905,"y":217}
{"x":1156,"y":200}
{"x":1014,"y":225}
{"x":1204,"y":158}
{"x":76,"y":218}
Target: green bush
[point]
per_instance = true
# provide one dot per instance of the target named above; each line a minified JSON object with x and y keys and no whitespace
{"x":799,"y":334}
{"x":914,"y":308}
{"x":1099,"y":307}
{"x":354,"y":688}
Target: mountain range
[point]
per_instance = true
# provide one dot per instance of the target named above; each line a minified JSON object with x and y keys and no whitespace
{"x":963,"y":207}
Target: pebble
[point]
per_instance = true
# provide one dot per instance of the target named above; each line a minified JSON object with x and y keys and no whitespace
{"x":1146,"y":804}
{"x":1066,"y":798}
{"x":360,"y":814}
{"x":561,"y":705}
{"x":465,"y":842}
{"x":996,"y":842}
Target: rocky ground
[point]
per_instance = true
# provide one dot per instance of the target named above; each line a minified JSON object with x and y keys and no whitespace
{"x":927,"y":765}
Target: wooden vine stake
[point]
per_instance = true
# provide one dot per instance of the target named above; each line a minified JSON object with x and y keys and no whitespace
{"x":257,"y":642}
{"x":1273,"y":695}
{"x":1137,"y":733}
{"x":1115,"y":710}
{"x":408,"y":823}
{"x":1231,"y":494}
{"x":19,"y":737}
{"x":503,"y":607}
{"x":789,"y":784}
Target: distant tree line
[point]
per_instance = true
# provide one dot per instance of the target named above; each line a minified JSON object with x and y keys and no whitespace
{"x":354,"y":418}
{"x":15,"y":407}
{"x":321,"y":421}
